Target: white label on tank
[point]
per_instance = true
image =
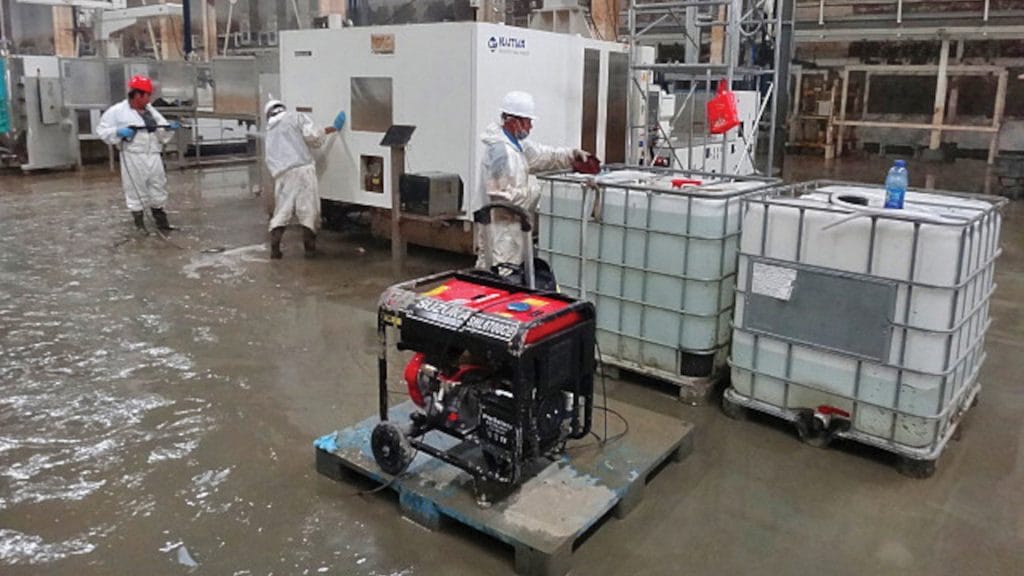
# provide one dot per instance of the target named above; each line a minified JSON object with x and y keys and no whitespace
{"x":773,"y":281}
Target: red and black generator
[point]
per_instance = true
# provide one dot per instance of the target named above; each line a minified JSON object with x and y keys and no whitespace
{"x":507,"y":371}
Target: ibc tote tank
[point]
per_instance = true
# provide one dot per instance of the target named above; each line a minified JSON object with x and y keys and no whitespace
{"x":655,"y":250}
{"x":877,"y":316}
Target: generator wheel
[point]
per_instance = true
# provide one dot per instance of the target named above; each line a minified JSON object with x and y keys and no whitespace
{"x":391,"y":448}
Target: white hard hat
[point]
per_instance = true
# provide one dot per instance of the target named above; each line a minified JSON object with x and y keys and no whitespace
{"x":520,"y":104}
{"x":271,"y":105}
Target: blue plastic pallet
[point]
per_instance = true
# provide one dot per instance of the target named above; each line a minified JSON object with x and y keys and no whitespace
{"x":551,"y":511}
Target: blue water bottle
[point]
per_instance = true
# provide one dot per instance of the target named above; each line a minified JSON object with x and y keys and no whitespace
{"x":896,"y":184}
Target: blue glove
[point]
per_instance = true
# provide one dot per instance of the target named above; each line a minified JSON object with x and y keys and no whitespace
{"x":339,"y":120}
{"x":126,"y":133}
{"x":174,"y":125}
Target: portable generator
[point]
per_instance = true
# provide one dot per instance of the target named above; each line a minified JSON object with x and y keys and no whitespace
{"x":507,"y":371}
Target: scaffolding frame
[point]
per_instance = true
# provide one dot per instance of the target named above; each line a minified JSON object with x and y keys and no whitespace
{"x":943,"y":71}
{"x":832,"y":21}
{"x":730,"y":26}
{"x":799,"y":117}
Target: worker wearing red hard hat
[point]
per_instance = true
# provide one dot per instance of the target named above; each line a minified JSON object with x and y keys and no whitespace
{"x":135,"y":127}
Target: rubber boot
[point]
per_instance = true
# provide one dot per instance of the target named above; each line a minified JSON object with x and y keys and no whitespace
{"x":309,"y":242}
{"x":140,"y":221}
{"x":275,"y":242}
{"x":161,"y":219}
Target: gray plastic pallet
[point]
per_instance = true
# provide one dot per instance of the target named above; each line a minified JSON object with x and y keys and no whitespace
{"x":550,"y":512}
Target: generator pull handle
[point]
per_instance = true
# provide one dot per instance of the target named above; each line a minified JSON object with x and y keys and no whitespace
{"x":483,"y":216}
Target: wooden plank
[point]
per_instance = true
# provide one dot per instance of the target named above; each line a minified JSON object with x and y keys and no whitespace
{"x":842,"y":113}
{"x":491,"y":11}
{"x":325,"y":7}
{"x":914,"y":126}
{"x":212,"y":32}
{"x":398,"y":247}
{"x":798,"y":91}
{"x":171,"y":37}
{"x":605,"y":15}
{"x":997,"y":117}
{"x":952,"y":107}
{"x":63,"y":31}
{"x":718,"y":39}
{"x":953,"y":103}
{"x":453,"y":236}
{"x":941,"y":87}
{"x":867,"y":94}
{"x":926,"y":69}
{"x":830,"y":149}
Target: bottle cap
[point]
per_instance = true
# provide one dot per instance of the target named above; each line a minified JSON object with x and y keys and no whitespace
{"x":900,"y":163}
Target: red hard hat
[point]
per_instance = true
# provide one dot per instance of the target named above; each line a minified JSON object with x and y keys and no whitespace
{"x":142,"y":83}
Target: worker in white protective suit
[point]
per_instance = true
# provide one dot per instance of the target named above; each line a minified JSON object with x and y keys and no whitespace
{"x":140,"y":132}
{"x":288,"y":140}
{"x":508,"y":160}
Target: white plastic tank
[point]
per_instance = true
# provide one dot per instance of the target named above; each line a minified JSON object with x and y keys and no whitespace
{"x":655,"y":251}
{"x":878,"y":313}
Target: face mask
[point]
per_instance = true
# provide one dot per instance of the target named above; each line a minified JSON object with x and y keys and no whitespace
{"x":521,"y":130}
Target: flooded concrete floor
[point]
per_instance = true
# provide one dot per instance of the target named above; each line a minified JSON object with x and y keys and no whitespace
{"x":158,"y":405}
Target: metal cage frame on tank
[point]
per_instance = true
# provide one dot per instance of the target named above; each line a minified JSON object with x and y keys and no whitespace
{"x":677,"y":358}
{"x":962,"y":336}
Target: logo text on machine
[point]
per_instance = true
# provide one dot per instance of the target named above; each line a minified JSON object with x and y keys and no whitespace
{"x":452,"y":315}
{"x":509,"y":44}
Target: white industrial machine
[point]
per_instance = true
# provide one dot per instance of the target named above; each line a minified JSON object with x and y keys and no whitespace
{"x":41,"y":132}
{"x":447,"y":80}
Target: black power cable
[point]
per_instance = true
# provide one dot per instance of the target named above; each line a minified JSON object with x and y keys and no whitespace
{"x":602,"y":441}
{"x":607,"y":410}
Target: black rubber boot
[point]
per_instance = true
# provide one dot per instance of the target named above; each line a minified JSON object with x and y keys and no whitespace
{"x":309,"y":242}
{"x":140,"y":221}
{"x":161,"y":219}
{"x":275,"y":242}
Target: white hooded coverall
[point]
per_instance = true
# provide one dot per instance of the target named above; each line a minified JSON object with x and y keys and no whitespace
{"x":505,"y":177}
{"x":289,"y":136}
{"x":142,"y":168}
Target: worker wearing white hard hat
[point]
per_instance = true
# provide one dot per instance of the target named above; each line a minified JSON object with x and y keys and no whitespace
{"x":508,"y":159}
{"x":288,"y":139}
